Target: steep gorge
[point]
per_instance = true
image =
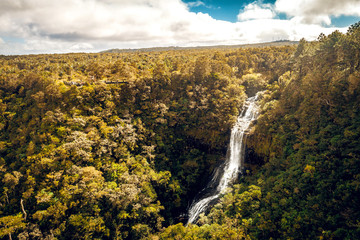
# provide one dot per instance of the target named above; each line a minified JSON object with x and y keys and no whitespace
{"x":116,"y":146}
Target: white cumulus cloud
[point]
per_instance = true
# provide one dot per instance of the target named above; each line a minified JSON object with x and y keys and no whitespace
{"x":82,"y":46}
{"x":318,"y":11}
{"x":94,"y":25}
{"x":256,"y":11}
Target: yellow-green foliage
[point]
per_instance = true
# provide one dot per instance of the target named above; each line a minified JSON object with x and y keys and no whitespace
{"x":306,"y":143}
{"x":108,"y":146}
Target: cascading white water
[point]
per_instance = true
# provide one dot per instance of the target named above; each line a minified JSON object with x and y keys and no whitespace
{"x":234,"y":161}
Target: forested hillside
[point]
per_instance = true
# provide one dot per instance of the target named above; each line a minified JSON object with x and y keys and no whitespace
{"x":303,"y":177}
{"x":116,"y":145}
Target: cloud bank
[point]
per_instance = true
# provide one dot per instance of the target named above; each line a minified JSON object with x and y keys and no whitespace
{"x":318,"y":11}
{"x":93,"y":25}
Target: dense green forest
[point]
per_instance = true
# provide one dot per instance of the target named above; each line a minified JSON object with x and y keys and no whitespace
{"x":116,"y":145}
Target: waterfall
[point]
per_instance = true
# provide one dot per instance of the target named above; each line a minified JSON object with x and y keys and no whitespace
{"x":234,"y":160}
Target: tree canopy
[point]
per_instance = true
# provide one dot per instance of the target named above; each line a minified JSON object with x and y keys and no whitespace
{"x":116,"y":145}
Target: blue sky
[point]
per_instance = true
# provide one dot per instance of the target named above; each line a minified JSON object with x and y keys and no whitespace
{"x":43,"y":26}
{"x":228,"y":10}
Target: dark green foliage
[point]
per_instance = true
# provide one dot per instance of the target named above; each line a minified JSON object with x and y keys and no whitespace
{"x":308,"y":138}
{"x":114,"y":146}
